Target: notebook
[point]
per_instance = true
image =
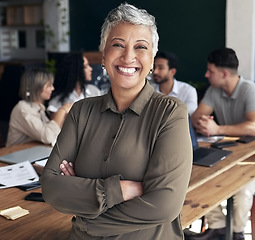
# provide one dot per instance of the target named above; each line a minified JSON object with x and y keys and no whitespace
{"x":31,"y":154}
{"x":205,"y":156}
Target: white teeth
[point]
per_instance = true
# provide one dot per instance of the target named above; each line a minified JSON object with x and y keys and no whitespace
{"x":127,"y":70}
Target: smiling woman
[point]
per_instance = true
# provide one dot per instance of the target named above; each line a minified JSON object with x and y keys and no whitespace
{"x":119,"y":164}
{"x":128,"y":58}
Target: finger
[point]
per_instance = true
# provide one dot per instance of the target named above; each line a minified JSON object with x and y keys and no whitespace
{"x":69,"y":167}
{"x":64,"y":170}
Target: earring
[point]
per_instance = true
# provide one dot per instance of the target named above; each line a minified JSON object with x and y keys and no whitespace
{"x":103,"y":66}
{"x":150,"y":71}
{"x":27,"y":92}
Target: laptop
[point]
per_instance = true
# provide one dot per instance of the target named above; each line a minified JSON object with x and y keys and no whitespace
{"x":31,"y":154}
{"x":203,"y":156}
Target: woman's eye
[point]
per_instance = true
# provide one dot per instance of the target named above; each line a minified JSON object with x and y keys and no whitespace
{"x":141,"y":47}
{"x":117,"y":45}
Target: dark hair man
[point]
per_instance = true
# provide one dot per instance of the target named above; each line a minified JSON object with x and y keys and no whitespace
{"x":165,"y":68}
{"x":232,"y":99}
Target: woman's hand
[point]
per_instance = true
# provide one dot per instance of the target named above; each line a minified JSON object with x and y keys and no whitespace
{"x":66,"y":107}
{"x":131,"y":189}
{"x":67,"y":168}
{"x":60,"y":115}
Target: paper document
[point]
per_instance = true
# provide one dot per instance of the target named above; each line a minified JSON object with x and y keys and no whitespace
{"x":14,"y":213}
{"x":17,"y":174}
{"x":42,"y":162}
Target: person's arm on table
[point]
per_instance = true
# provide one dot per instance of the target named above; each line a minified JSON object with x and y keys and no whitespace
{"x":202,"y":110}
{"x":60,"y":115}
{"x":36,"y":129}
{"x":205,"y":124}
{"x":241,"y":129}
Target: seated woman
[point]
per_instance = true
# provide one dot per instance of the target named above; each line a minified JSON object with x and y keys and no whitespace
{"x":28,"y":121}
{"x":72,"y":82}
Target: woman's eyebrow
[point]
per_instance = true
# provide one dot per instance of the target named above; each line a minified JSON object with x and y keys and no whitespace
{"x":143,"y":40}
{"x":120,"y":39}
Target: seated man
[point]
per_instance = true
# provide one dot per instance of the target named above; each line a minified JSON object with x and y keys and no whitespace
{"x":165,"y":67}
{"x":232,"y":99}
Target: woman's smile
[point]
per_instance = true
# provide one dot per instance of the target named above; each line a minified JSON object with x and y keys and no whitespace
{"x":128,"y":71}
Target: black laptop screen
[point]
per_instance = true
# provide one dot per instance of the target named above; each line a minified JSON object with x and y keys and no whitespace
{"x":193,"y":135}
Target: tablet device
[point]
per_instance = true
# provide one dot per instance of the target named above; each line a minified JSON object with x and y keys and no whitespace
{"x":223,"y":144}
{"x":29,"y":186}
{"x":30,"y":154}
{"x":246,"y":139}
{"x":34,"y":196}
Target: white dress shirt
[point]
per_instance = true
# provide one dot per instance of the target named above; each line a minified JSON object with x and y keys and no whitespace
{"x":185,"y":92}
{"x":55,"y":104}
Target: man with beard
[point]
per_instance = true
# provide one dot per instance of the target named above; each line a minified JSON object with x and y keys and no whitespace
{"x":165,"y":67}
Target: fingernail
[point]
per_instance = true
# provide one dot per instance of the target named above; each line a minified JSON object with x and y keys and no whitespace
{"x":64,"y":161}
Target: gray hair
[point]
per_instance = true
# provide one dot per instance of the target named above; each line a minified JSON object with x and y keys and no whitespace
{"x":32,"y":83}
{"x":126,"y":13}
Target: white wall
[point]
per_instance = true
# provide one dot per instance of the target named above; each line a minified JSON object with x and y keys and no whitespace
{"x":240,"y":28}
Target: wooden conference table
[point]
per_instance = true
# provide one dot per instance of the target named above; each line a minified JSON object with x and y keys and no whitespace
{"x":207,"y":188}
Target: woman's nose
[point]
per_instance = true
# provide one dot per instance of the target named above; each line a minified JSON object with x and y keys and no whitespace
{"x":128,"y":56}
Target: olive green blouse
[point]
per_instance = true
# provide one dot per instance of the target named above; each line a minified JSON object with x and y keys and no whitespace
{"x":148,"y":142}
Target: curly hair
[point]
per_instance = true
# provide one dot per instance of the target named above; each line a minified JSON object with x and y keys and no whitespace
{"x":69,"y":72}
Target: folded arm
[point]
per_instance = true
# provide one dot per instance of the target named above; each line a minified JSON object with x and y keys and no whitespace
{"x":100,"y":205}
{"x":164,"y":187}
{"x":129,"y":189}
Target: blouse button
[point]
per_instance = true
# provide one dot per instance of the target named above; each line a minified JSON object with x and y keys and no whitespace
{"x":105,"y":158}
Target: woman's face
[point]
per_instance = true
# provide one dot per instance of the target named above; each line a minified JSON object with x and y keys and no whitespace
{"x":128,"y":56}
{"x":47,"y":90}
{"x":87,"y":69}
